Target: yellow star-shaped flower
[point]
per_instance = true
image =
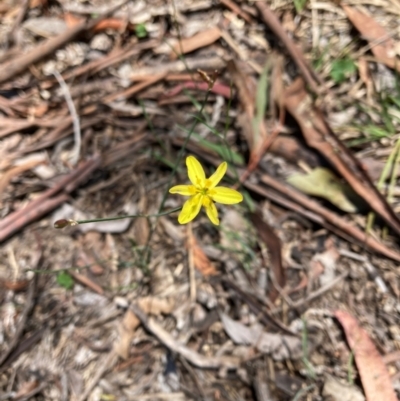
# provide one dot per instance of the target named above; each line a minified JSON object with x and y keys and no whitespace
{"x":204,"y":192}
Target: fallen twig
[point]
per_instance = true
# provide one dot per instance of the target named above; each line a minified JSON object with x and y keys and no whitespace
{"x":48,"y":201}
{"x":21,"y":62}
{"x":193,"y":357}
{"x":273,"y":22}
{"x":319,"y":136}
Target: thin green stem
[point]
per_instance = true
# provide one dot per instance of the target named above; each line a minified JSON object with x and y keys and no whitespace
{"x":130,"y":216}
{"x":172,"y":175}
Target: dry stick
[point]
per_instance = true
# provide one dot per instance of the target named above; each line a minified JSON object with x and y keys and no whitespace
{"x":62,"y":131}
{"x":323,"y":215}
{"x":193,"y":357}
{"x":12,"y":125}
{"x":66,"y":184}
{"x":272,"y":21}
{"x":75,"y":118}
{"x":192,"y":273}
{"x":50,"y":192}
{"x":22,"y":62}
{"x":40,"y":210}
{"x":320,"y":291}
{"x":126,"y":93}
{"x":109,"y":60}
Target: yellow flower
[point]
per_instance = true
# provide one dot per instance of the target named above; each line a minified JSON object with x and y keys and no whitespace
{"x":204,"y":192}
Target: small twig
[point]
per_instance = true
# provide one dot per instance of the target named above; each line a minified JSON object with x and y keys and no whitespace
{"x":24,"y":60}
{"x":320,"y":291}
{"x":35,"y":391}
{"x":75,"y":118}
{"x":192,"y":273}
{"x":193,"y":357}
{"x":274,"y":24}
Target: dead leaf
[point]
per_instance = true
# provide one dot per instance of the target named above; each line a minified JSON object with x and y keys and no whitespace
{"x":323,"y":183}
{"x":129,"y":324}
{"x":340,"y":391}
{"x":373,"y":373}
{"x":328,"y":260}
{"x":273,"y":244}
{"x":14,"y":285}
{"x":46,"y":27}
{"x":126,"y":332}
{"x":26,"y":388}
{"x":114,"y":24}
{"x":201,"y":39}
{"x":319,"y":136}
{"x":382,"y":45}
{"x":200,"y":259}
{"x":156,"y":306}
{"x":280,"y":347}
{"x":12,"y":172}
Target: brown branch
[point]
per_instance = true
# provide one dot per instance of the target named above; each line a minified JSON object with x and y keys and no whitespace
{"x":272,"y":21}
{"x":22,"y":62}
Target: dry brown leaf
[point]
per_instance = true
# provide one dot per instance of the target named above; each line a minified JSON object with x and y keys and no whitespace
{"x":277,"y":345}
{"x":129,"y":324}
{"x":374,"y":375}
{"x":12,"y":172}
{"x":336,"y":390}
{"x":37,"y":3}
{"x":156,"y":306}
{"x":382,"y":45}
{"x":201,"y":39}
{"x":320,"y":136}
{"x":126,"y":332}
{"x":273,"y":243}
{"x":200,"y":259}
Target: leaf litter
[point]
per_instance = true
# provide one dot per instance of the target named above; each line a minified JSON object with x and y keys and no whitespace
{"x":147,"y":309}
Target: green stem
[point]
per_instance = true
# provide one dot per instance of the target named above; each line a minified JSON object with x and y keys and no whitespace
{"x":131,"y":216}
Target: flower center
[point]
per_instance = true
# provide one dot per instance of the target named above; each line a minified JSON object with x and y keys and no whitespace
{"x":203,"y":191}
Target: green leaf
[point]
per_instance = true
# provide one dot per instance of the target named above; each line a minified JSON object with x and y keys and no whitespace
{"x":323,"y":183}
{"x":341,"y":69}
{"x":65,"y":280}
{"x":141,"y":31}
{"x":299,"y":5}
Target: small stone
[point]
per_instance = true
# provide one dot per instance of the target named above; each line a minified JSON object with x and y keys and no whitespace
{"x":101,"y":42}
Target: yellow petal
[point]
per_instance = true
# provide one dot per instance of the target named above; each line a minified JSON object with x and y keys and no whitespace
{"x":186,"y":190}
{"x":217,"y":176}
{"x":211,"y":210}
{"x":195,"y":171}
{"x":225,"y":196}
{"x":191,"y":209}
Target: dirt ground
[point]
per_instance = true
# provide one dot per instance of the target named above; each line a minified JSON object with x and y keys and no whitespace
{"x":294,"y":295}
